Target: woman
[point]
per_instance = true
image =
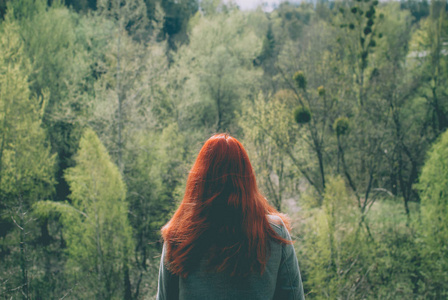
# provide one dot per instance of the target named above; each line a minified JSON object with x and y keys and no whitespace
{"x":225,"y":241}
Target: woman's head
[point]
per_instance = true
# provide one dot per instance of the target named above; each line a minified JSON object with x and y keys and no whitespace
{"x":222,"y":216}
{"x":222,"y":175}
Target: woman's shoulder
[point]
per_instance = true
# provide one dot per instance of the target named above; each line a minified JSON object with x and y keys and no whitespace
{"x":276,"y":223}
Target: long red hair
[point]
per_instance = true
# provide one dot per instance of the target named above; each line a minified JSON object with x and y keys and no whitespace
{"x":223,"y":216}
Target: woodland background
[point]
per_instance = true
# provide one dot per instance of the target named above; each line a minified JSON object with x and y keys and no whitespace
{"x":104,"y":104}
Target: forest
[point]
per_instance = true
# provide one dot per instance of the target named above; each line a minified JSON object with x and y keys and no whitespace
{"x":341,"y":105}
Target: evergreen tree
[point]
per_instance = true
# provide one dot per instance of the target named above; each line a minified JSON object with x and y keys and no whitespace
{"x":96,"y":226}
{"x":26,"y":165}
{"x":62,"y":69}
{"x":433,"y":187}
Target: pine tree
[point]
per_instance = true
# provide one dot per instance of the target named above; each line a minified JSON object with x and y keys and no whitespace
{"x":26,"y":165}
{"x":96,"y":227}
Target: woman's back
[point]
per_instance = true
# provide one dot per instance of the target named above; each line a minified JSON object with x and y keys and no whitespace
{"x":225,"y":241}
{"x":280,"y":279}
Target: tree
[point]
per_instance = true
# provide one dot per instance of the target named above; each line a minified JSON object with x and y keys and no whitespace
{"x":433,"y":187}
{"x":335,"y":252}
{"x":130,"y":106}
{"x":62,"y":70}
{"x":292,"y":19}
{"x":428,"y":46}
{"x":96,"y":226}
{"x":400,"y":80}
{"x":177,"y":15}
{"x":418,"y":9}
{"x":26,"y":165}
{"x":268,"y":133}
{"x":214,"y":72}
{"x":357,"y":39}
{"x":308,"y":70}
{"x":129,"y":19}
{"x":155,"y":175}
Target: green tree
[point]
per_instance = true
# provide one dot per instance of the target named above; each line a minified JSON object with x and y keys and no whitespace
{"x":308,"y":69}
{"x":129,"y":19}
{"x":360,"y":150}
{"x":429,"y":46}
{"x":177,"y":15}
{"x":155,"y":176}
{"x":26,"y":165}
{"x":418,"y":9}
{"x":268,"y":130}
{"x":433,"y":186}
{"x":214,"y":73}
{"x":400,"y":80}
{"x":62,"y":70}
{"x":96,"y":226}
{"x":131,"y":107}
{"x":335,"y":252}
{"x":292,"y":19}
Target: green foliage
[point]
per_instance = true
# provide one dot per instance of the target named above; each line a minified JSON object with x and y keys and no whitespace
{"x":26,"y":165}
{"x":62,"y":67}
{"x":155,"y":177}
{"x":367,"y":30}
{"x":418,"y":9}
{"x":215,"y":71}
{"x":22,"y":9}
{"x":341,"y":125}
{"x":153,"y":83}
{"x":269,"y":128}
{"x":177,"y":15}
{"x":433,"y":65}
{"x":321,"y":91}
{"x":130,"y":92}
{"x":96,"y":227}
{"x":268,"y":49}
{"x":340,"y":259}
{"x":302,"y":115}
{"x":333,"y":246}
{"x":62,"y":71}
{"x":433,"y":187}
{"x":394,"y":260}
{"x":293,"y":19}
{"x":300,"y":80}
{"x":129,"y":15}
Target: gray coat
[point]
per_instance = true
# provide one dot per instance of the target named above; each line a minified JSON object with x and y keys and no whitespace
{"x":281,"y":279}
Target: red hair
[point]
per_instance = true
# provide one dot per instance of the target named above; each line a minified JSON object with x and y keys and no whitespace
{"x":223,"y":216}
